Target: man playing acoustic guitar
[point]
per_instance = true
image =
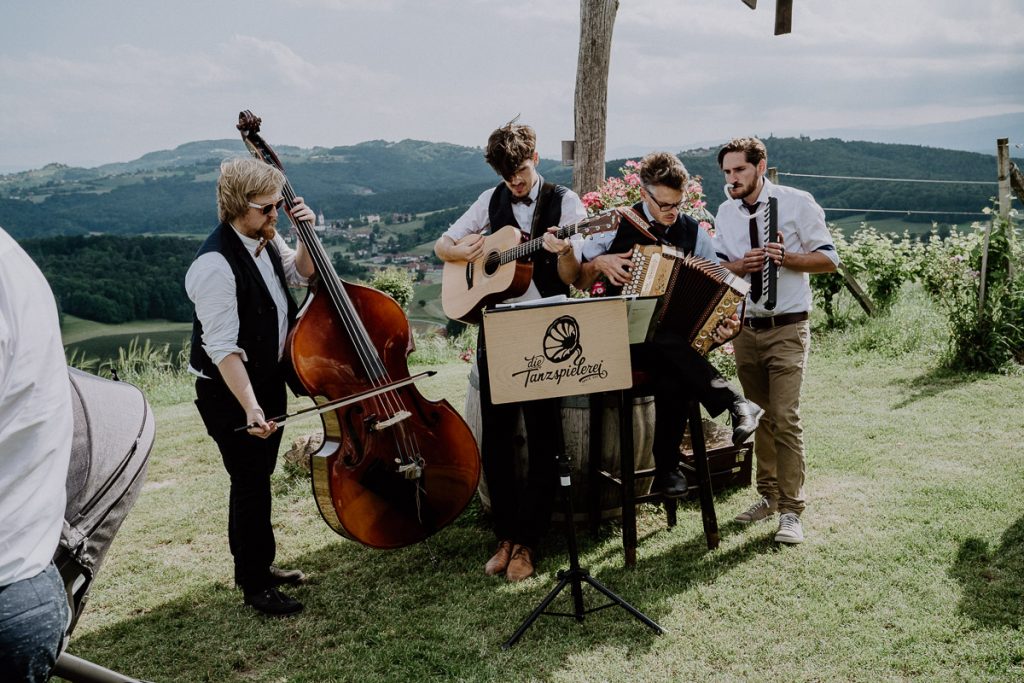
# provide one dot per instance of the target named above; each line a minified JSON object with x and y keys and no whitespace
{"x":536,"y":208}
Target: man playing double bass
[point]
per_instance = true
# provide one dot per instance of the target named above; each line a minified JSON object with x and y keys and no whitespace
{"x":524,"y":200}
{"x":238,"y":283}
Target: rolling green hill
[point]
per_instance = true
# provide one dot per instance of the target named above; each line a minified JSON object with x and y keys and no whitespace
{"x":173,"y":191}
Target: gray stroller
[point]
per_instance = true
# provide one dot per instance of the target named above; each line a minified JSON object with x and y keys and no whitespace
{"x":114,"y":433}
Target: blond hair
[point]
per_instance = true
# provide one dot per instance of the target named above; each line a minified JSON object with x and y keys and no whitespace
{"x":241,"y":179}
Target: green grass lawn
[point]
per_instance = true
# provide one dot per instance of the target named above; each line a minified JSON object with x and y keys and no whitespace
{"x":913,"y":568}
{"x":75,"y":330}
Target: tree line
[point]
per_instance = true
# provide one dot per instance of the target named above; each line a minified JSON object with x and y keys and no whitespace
{"x":416,"y":177}
{"x":117,"y":279}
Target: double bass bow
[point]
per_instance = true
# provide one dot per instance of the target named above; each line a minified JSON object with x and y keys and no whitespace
{"x":394,"y":467}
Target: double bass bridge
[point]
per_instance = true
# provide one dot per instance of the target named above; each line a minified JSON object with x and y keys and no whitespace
{"x":381,"y":425}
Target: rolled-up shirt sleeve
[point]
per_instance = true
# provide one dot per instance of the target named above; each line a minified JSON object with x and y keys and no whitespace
{"x":474,"y":221}
{"x":813,"y":231}
{"x":210,"y":285}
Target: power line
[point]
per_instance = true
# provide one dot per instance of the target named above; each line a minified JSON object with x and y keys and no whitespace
{"x":901,"y":211}
{"x":891,"y":180}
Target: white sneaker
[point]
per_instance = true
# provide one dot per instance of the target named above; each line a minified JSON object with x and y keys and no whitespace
{"x":762,"y":509}
{"x":790,"y":529}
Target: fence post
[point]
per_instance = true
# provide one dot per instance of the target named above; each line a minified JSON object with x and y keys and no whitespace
{"x":773,"y":175}
{"x":1003,"y":160}
{"x":1003,"y":169}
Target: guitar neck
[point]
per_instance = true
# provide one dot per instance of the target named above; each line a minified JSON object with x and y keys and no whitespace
{"x":526,"y":248}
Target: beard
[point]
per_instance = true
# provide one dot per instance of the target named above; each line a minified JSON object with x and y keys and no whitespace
{"x":265,"y":235}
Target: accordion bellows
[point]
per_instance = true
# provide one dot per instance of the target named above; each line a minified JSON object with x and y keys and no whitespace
{"x":696,"y":294}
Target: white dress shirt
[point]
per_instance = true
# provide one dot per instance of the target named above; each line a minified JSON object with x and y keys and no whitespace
{"x":35,"y":417}
{"x":210,"y":285}
{"x":802,"y":230}
{"x":477,"y":220}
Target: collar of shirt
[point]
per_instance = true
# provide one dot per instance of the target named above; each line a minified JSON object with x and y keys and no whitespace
{"x":524,"y":213}
{"x":250,"y":243}
{"x":767,"y":188}
{"x":660,"y":226}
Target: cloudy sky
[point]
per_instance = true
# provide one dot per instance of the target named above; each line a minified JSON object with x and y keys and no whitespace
{"x":86,"y":83}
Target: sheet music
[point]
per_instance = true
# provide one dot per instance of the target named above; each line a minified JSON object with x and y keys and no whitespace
{"x":638,"y":317}
{"x":543,"y":301}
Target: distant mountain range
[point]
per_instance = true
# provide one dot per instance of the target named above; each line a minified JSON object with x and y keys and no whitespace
{"x":172,"y":191}
{"x":968,"y":135}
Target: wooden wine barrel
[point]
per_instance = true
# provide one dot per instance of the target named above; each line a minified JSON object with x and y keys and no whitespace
{"x":576,"y":430}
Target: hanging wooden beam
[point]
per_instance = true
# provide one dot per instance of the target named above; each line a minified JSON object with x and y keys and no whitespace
{"x":783,"y":17}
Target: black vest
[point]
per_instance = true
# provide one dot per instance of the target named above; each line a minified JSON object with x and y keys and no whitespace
{"x":257,"y":313}
{"x":547,"y":213}
{"x":682,"y":234}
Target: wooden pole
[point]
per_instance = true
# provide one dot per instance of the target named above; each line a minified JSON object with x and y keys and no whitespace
{"x":1003,"y":159}
{"x":597,"y":19}
{"x":1003,"y":169}
{"x":783,"y":17}
{"x":773,"y":175}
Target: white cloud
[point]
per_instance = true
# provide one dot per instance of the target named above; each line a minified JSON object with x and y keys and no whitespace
{"x":130,"y":78}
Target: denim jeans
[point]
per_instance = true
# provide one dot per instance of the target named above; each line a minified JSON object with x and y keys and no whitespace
{"x":33,"y":616}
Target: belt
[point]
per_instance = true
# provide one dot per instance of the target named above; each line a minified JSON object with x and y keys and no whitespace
{"x":775,"y":321}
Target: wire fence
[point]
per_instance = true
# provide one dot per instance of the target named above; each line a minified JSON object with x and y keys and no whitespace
{"x":903,"y":212}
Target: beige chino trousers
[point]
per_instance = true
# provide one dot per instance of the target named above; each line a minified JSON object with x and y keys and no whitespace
{"x":770,"y":365}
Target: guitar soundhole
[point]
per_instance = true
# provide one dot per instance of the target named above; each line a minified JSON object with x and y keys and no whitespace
{"x":491,"y":263}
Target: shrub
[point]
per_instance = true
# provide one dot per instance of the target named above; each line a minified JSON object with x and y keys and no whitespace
{"x":396,"y":282}
{"x":987,"y":337}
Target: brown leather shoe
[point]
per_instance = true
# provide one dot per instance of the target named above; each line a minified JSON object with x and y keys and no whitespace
{"x":521,"y":565}
{"x":499,"y":561}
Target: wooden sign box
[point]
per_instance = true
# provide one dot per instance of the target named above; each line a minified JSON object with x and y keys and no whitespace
{"x":546,"y":351}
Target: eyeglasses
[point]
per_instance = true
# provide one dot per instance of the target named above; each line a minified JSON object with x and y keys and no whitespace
{"x":665,"y":206}
{"x":265,"y":208}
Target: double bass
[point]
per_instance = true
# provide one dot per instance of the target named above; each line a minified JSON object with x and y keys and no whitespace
{"x":394,"y":467}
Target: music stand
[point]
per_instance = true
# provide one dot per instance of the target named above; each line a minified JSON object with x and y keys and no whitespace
{"x":575,"y":576}
{"x":598,"y":330}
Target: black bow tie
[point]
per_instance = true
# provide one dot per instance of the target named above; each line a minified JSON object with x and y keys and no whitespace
{"x":522,"y":200}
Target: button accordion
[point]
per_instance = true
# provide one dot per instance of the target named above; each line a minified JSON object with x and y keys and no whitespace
{"x":695,"y":294}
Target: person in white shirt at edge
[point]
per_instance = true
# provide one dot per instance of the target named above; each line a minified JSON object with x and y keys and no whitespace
{"x":771,"y":350}
{"x":243,"y":313}
{"x":537,"y":208}
{"x":36,"y":427}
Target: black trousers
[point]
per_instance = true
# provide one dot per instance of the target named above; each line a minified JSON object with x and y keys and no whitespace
{"x":249,"y":462}
{"x":680,"y":375}
{"x":521,"y":516}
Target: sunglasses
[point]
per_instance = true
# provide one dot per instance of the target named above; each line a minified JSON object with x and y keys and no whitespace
{"x":266,"y":208}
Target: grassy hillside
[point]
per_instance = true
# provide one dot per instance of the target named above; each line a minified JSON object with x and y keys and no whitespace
{"x":912,"y":569}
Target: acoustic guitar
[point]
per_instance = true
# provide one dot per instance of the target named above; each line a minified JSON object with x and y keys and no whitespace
{"x":504,"y":271}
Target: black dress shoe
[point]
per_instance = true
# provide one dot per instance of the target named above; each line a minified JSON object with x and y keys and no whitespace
{"x":671,"y":484}
{"x":292,"y":577}
{"x":745,"y":416}
{"x":273,"y":602}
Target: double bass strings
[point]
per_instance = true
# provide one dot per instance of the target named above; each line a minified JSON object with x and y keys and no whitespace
{"x":389,"y":402}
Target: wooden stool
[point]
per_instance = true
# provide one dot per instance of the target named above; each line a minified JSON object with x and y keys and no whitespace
{"x":626,"y":481}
